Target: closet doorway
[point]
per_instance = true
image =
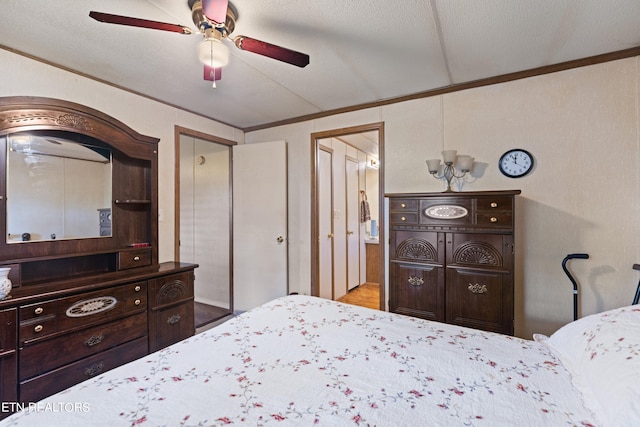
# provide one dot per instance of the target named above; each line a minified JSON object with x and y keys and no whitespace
{"x":346,"y":251}
{"x":203,"y":219}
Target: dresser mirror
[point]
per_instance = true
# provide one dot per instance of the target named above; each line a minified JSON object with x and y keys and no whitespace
{"x":58,"y":186}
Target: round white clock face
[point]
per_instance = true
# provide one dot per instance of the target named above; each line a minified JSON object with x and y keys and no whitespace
{"x":516,"y":163}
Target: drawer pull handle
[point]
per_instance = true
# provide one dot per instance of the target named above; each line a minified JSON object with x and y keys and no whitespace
{"x":493,"y":219}
{"x":137,"y":302}
{"x":173,"y":319}
{"x":93,"y":340}
{"x":416,"y":281}
{"x":403,"y":205}
{"x":494,"y":205}
{"x":477,"y":288}
{"x":38,"y":310}
{"x":38,"y":328}
{"x":136,"y":258}
{"x":403,"y":219}
{"x":94,"y":370}
{"x":137,"y":288}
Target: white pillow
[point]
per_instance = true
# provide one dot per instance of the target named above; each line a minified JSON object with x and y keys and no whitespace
{"x":602,"y":353}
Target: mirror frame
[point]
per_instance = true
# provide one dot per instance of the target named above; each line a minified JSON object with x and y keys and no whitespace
{"x":21,"y":113}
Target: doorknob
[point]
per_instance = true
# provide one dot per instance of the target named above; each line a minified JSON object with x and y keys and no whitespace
{"x":349,"y":233}
{"x":330,"y":235}
{"x":280,"y":239}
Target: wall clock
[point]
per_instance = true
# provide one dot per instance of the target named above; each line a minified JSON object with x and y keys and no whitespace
{"x":516,"y":163}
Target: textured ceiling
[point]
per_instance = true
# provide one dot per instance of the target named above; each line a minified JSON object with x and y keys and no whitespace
{"x":361,"y":51}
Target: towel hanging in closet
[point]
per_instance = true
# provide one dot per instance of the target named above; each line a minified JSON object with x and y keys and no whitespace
{"x":365,"y":212}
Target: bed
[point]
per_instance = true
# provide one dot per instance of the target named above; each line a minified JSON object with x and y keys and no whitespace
{"x":302,"y":360}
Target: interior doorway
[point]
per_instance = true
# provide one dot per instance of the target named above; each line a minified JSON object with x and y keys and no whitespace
{"x":334,"y":234}
{"x":203,"y":219}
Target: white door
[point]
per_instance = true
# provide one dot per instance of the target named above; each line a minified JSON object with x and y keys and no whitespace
{"x":325,"y":223}
{"x":259,"y":223}
{"x":352,"y":192}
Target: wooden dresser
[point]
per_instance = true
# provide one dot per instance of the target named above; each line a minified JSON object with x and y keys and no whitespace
{"x":66,"y":334}
{"x":81,"y":304}
{"x":451,"y":257}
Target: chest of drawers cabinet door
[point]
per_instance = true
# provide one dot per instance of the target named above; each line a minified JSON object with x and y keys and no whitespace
{"x":417,"y":269}
{"x":451,"y":257}
{"x":171,"y":317}
{"x":8,"y":357}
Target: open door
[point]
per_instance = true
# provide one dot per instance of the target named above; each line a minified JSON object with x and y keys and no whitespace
{"x":260,"y":271}
{"x":352,"y":193}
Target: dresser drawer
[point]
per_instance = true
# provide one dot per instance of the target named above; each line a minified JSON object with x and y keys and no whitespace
{"x":495,"y":219}
{"x":63,"y":315}
{"x":403,"y":204}
{"x":134,"y":258}
{"x":54,"y":353}
{"x":44,"y":385}
{"x":171,"y":289}
{"x":494,"y":203}
{"x":403,"y":218}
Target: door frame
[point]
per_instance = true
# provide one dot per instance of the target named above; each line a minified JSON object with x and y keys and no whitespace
{"x":315,"y":252}
{"x":179,"y":130}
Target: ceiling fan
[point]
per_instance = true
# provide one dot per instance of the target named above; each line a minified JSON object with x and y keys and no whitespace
{"x":216,"y":20}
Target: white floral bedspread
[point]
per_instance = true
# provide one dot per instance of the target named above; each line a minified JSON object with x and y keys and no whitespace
{"x":301,"y":361}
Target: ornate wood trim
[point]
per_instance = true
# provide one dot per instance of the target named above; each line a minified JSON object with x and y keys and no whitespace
{"x":172,"y":290}
{"x":24,"y":113}
{"x":475,"y":252}
{"x":416,"y":249}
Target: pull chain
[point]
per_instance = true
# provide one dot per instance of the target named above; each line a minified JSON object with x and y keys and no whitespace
{"x":212,"y":72}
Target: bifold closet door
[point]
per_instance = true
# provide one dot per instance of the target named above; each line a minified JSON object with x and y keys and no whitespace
{"x":325,"y":222}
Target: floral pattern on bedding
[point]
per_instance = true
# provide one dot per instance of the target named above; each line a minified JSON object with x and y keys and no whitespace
{"x":307,"y":361}
{"x":601,"y":352}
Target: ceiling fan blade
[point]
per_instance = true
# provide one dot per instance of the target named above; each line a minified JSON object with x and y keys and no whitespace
{"x":215,"y":10}
{"x":137,"y":22}
{"x":289,"y":56}
{"x":212,"y":74}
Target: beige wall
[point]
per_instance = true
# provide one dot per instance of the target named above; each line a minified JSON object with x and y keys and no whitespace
{"x":583,"y":196}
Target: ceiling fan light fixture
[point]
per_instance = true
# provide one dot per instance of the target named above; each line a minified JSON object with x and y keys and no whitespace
{"x":212,"y":52}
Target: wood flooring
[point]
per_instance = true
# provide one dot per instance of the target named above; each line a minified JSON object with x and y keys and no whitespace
{"x":365,"y":295}
{"x":204,"y":314}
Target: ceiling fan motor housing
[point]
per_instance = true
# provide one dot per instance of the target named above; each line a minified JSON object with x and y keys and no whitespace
{"x":201,"y":21}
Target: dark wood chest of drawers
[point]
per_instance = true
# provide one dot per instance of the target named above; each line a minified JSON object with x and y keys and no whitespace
{"x":54,"y":340}
{"x":451,"y":257}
